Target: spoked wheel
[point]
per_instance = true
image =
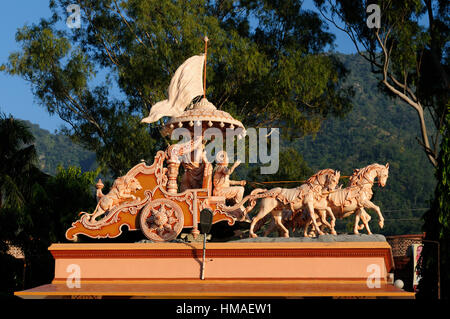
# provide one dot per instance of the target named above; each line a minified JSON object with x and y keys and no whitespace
{"x":162,"y":220}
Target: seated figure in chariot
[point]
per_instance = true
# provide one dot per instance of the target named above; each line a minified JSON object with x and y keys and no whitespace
{"x":223,"y":186}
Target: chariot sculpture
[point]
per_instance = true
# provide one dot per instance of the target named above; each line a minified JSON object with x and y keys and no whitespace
{"x":150,"y":199}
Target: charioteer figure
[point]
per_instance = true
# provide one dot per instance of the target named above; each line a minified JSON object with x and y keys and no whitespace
{"x":223,"y":186}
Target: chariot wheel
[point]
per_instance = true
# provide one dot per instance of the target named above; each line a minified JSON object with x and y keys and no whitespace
{"x":161,"y":220}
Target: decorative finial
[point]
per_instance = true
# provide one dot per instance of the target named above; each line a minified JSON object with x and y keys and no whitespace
{"x":99,"y":184}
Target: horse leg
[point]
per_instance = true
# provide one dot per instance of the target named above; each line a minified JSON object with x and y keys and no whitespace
{"x":278,"y":220}
{"x":255,"y":219}
{"x":357,"y":217}
{"x":266,"y":207}
{"x":361,"y":227}
{"x":323,"y":217}
{"x":305,"y":228}
{"x":309,"y":229}
{"x":271,"y":228}
{"x":333,"y":220}
{"x":369,"y":204}
{"x":365,"y":219}
{"x":305,"y":222}
{"x":313,"y":217}
{"x":312,"y":232}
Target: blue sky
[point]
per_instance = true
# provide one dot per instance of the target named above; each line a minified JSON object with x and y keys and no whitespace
{"x":16,"y":97}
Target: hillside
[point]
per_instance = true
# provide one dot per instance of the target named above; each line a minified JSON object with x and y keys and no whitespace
{"x":57,"y":149}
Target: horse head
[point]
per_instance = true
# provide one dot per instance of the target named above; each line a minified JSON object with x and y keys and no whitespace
{"x":368,"y":174}
{"x":383,"y":174}
{"x":333,"y":180}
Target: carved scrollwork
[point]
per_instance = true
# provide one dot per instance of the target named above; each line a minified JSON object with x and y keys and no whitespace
{"x":157,"y":168}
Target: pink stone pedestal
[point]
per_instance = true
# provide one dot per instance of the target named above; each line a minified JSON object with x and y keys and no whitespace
{"x":233,"y":269}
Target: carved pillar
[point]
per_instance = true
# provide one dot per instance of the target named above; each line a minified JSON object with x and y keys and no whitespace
{"x":195,"y":232}
{"x":172,"y":186}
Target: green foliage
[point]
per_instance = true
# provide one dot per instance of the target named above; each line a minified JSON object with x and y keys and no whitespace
{"x":45,"y":208}
{"x":437,"y":228}
{"x":292,"y":167}
{"x":266,"y":64}
{"x":65,"y":195}
{"x":51,"y":206}
{"x":17,"y":158}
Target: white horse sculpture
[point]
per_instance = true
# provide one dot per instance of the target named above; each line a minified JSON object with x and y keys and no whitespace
{"x":356,"y":197}
{"x":304,"y":196}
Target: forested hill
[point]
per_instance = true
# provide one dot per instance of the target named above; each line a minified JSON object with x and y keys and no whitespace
{"x":57,"y":149}
{"x":377,"y":130}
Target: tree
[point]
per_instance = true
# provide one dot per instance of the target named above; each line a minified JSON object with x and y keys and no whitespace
{"x":17,"y":171}
{"x":437,"y":226}
{"x":266,"y":65}
{"x":411,"y":58}
{"x":292,"y":166}
{"x":413,"y":61}
{"x":36,"y":209}
{"x":50,"y":207}
{"x":18,"y":158}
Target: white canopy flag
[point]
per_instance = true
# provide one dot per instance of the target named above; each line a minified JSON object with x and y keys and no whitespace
{"x":186,"y":84}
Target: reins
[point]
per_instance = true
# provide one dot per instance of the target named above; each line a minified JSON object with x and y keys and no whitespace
{"x":284,"y":182}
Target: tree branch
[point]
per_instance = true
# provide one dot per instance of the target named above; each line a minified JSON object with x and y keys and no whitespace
{"x":416,"y":105}
{"x":128,"y":25}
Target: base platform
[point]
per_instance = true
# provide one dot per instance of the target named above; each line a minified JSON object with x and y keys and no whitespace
{"x":233,"y":269}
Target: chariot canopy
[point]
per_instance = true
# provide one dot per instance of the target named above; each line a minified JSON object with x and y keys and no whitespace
{"x":206,"y":115}
{"x":185,"y":86}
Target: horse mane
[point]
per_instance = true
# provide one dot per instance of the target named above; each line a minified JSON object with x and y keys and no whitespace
{"x":359,"y":173}
{"x":320,"y":173}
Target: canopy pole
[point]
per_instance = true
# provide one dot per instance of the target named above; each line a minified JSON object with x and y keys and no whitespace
{"x":204,"y":68}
